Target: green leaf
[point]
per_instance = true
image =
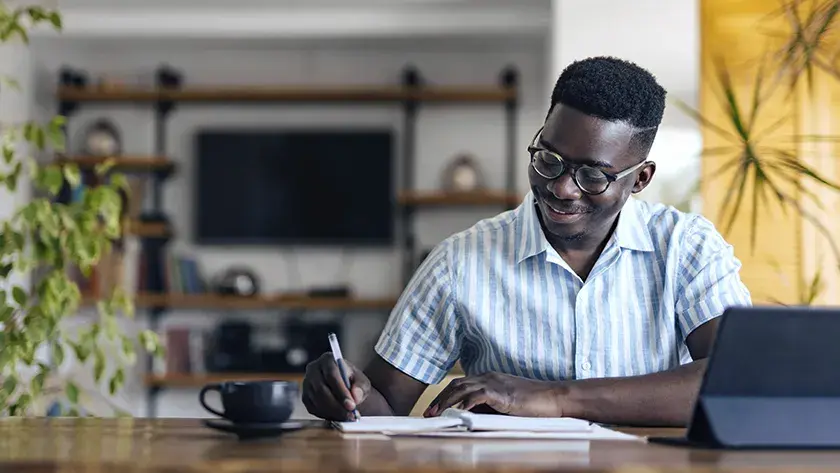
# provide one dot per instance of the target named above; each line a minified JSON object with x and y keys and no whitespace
{"x":123,"y":301}
{"x":53,"y":179}
{"x":6,"y":312}
{"x":81,"y":350}
{"x":5,"y":270}
{"x":120,"y":181}
{"x":40,"y":138}
{"x":23,"y":402}
{"x":29,"y":131}
{"x":55,"y":19}
{"x":128,"y":350}
{"x":10,"y":384}
{"x":56,"y":134}
{"x":102,"y":168}
{"x":149,"y":340}
{"x":37,"y":384}
{"x":72,"y":175}
{"x":36,"y":13}
{"x":8,"y":153}
{"x":19,"y":240}
{"x":116,"y":382}
{"x":12,"y":178}
{"x":58,"y":353}
{"x":58,"y":122}
{"x":98,"y":365}
{"x":72,"y":392}
{"x":19,"y":295}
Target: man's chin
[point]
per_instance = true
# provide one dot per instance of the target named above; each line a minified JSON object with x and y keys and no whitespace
{"x":559,"y":229}
{"x":568,"y":237}
{"x":559,"y":232}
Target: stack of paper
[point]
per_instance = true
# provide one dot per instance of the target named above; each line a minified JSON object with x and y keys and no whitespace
{"x":458,"y":423}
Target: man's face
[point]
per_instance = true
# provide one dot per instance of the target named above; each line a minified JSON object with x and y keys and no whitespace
{"x":568,"y":213}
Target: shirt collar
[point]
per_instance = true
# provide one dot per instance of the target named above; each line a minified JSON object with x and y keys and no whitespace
{"x":529,"y":231}
{"x":631,"y":231}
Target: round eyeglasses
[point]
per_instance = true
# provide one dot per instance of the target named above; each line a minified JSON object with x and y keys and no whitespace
{"x":589,"y":179}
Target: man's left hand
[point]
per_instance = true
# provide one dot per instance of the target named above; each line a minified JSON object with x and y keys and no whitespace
{"x":504,"y":393}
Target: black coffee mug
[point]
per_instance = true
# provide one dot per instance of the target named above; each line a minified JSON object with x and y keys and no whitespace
{"x":248,"y":402}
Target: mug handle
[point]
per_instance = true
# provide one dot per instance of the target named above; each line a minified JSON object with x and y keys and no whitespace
{"x":205,"y":390}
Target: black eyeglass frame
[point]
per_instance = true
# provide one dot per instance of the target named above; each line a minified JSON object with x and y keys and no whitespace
{"x":533,"y":149}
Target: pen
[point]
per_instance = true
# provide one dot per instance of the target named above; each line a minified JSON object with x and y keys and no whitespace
{"x":336,"y":351}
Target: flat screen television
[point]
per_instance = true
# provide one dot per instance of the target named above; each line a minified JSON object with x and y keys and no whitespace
{"x":310,"y":187}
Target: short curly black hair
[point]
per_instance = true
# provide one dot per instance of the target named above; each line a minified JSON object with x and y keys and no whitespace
{"x":616,"y":90}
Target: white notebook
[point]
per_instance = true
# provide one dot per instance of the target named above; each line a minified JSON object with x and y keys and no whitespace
{"x":381,"y":424}
{"x":459,"y":420}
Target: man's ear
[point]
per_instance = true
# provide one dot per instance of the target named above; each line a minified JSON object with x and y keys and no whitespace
{"x":644,"y":177}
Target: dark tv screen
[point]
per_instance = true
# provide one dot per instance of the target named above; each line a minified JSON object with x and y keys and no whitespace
{"x":294,"y":187}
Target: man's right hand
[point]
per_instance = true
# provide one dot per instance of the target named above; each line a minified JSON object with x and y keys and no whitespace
{"x":324,"y":392}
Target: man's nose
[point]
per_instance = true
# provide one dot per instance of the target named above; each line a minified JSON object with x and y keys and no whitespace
{"x":564,"y":187}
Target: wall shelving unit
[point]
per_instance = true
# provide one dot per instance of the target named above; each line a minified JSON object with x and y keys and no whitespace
{"x":169,"y":92}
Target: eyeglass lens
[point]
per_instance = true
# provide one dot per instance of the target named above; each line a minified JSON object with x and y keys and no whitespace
{"x":591,"y":180}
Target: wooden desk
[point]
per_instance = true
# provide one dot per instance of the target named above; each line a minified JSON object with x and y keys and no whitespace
{"x":164,"y":445}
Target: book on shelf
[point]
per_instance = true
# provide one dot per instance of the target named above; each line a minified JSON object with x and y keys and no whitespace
{"x":185,"y":352}
{"x":183,"y":275}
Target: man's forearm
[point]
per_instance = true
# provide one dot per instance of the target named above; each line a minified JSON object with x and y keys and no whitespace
{"x":375,"y":405}
{"x":658,"y":399}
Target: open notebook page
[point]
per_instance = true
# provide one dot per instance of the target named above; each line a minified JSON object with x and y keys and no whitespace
{"x":504,"y":423}
{"x":455,"y":418}
{"x":399,"y":424}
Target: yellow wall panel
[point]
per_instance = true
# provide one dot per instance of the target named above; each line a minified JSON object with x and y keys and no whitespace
{"x":735,"y":34}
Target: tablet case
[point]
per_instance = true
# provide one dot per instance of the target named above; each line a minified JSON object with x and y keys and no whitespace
{"x":773,"y":381}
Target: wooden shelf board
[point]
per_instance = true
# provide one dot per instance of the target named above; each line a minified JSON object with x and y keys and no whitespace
{"x":146,"y":229}
{"x":289,"y":94}
{"x":286,"y":94}
{"x":187,"y":380}
{"x":93,"y":94}
{"x":121,"y":162}
{"x":433,"y":198}
{"x":215,"y":301}
{"x":466,"y":94}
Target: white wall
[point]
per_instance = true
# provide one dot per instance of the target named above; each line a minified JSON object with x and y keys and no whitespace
{"x":303,"y":19}
{"x":16,"y":107}
{"x":442,"y":132}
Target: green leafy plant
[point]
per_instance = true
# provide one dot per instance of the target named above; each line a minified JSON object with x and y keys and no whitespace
{"x":807,"y":43}
{"x":763,"y":169}
{"x":41,"y":243}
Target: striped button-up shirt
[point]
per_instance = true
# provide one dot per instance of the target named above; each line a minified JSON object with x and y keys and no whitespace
{"x":499,"y":298}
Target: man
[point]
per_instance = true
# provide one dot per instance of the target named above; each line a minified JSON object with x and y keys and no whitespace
{"x":581,"y":302}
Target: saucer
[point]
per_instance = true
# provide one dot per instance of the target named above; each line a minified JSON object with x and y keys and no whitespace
{"x":253,"y":430}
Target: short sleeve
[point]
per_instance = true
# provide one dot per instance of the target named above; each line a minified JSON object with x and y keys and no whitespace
{"x":421,"y":337}
{"x":709,"y":277}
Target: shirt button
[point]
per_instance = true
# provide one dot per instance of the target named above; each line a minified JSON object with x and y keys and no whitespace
{"x":586,"y":366}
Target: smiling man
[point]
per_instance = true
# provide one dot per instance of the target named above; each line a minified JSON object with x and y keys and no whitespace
{"x":581,"y":302}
